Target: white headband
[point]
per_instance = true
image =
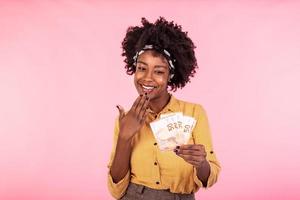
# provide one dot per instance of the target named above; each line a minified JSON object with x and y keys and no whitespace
{"x":165,"y":53}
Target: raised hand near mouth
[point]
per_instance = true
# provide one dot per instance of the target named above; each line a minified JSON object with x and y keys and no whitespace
{"x":131,"y":122}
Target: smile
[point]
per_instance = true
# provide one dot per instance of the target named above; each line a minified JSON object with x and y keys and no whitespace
{"x":148,"y":88}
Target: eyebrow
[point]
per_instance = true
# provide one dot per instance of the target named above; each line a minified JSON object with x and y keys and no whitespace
{"x":157,"y":66}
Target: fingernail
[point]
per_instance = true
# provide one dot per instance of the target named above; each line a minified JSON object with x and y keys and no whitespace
{"x":177,"y":147}
{"x":141,"y":95}
{"x":117,"y":106}
{"x":175,"y":150}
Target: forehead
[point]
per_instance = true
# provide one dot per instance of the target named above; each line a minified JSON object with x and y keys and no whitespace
{"x":151,"y":56}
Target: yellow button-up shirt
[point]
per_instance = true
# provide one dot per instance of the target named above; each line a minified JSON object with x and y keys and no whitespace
{"x":165,"y":170}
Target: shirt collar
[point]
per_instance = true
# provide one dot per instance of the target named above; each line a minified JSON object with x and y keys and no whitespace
{"x":172,"y":106}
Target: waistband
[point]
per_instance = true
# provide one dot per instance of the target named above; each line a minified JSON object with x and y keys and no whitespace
{"x":141,"y":189}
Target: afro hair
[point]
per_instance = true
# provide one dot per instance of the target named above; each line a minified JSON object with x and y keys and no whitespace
{"x":165,"y":35}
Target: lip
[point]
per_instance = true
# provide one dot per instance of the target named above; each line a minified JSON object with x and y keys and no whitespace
{"x":147,"y":88}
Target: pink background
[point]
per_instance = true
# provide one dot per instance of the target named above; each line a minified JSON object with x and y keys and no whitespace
{"x":61,"y":75}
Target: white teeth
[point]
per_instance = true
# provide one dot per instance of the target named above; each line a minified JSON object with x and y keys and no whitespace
{"x":148,"y":87}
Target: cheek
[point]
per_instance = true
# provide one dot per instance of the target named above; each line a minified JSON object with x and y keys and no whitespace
{"x":137,"y":76}
{"x":161,"y":80}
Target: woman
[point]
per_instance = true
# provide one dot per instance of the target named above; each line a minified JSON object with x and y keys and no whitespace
{"x":161,"y":56}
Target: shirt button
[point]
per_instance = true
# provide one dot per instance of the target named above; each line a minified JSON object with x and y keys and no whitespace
{"x":157,"y":182}
{"x":155,"y":163}
{"x":155,"y":143}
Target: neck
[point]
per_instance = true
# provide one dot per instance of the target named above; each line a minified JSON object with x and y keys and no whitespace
{"x":158,"y":104}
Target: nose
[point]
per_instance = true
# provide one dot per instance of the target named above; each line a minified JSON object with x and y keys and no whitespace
{"x":148,"y":75}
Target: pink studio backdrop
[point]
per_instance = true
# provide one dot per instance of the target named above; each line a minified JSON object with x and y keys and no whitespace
{"x":61,"y":75}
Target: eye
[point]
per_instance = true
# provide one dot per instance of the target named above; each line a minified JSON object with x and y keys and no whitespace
{"x":141,"y":68}
{"x":159,"y":72}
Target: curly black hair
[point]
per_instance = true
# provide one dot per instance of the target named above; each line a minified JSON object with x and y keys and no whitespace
{"x":168,"y":36}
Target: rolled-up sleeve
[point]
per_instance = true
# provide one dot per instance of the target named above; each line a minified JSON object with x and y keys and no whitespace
{"x":118,"y":189}
{"x":202,"y":135}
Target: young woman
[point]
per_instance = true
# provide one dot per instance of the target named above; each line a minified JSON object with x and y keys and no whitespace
{"x":161,"y":57}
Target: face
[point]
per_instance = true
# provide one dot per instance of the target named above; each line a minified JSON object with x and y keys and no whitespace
{"x":151,"y":76}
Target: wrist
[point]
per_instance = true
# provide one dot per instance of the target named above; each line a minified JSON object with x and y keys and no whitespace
{"x":202,"y":164}
{"x":124,"y":138}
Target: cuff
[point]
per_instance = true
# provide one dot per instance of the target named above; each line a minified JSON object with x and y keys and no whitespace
{"x":212,"y":179}
{"x":118,"y":189}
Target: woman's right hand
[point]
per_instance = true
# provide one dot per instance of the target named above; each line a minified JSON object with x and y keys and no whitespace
{"x":132,"y":122}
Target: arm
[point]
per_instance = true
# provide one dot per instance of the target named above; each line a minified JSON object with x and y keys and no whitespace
{"x":202,"y":135}
{"x":201,"y":154}
{"x":126,"y":127}
{"x":118,"y":187}
{"x":121,"y":162}
{"x":195,"y":155}
{"x":203,"y":172}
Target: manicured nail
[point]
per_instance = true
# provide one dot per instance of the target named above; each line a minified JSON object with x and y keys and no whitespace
{"x":117,"y":106}
{"x":176,"y":151}
{"x":141,"y":95}
{"x":177,"y":147}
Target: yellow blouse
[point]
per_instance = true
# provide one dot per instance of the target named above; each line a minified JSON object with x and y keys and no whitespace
{"x":165,"y":170}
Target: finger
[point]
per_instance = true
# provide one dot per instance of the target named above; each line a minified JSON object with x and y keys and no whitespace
{"x":133,"y":107}
{"x":188,"y":158}
{"x":196,"y":163}
{"x":196,"y":159}
{"x":144,"y":117}
{"x":191,"y":152}
{"x":140,"y":104}
{"x":197,"y":147}
{"x":121,"y":111}
{"x":143,"y":109}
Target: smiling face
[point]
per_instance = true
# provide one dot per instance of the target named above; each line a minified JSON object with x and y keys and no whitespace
{"x":151,"y":75}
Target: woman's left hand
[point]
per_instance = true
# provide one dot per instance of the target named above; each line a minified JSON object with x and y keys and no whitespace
{"x":194,"y":154}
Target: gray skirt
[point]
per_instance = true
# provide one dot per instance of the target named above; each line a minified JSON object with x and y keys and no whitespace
{"x":140,"y":192}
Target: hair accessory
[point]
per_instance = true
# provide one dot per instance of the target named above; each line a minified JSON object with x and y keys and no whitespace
{"x":164,"y":52}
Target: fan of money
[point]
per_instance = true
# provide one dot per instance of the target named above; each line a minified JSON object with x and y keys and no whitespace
{"x":172,"y":129}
